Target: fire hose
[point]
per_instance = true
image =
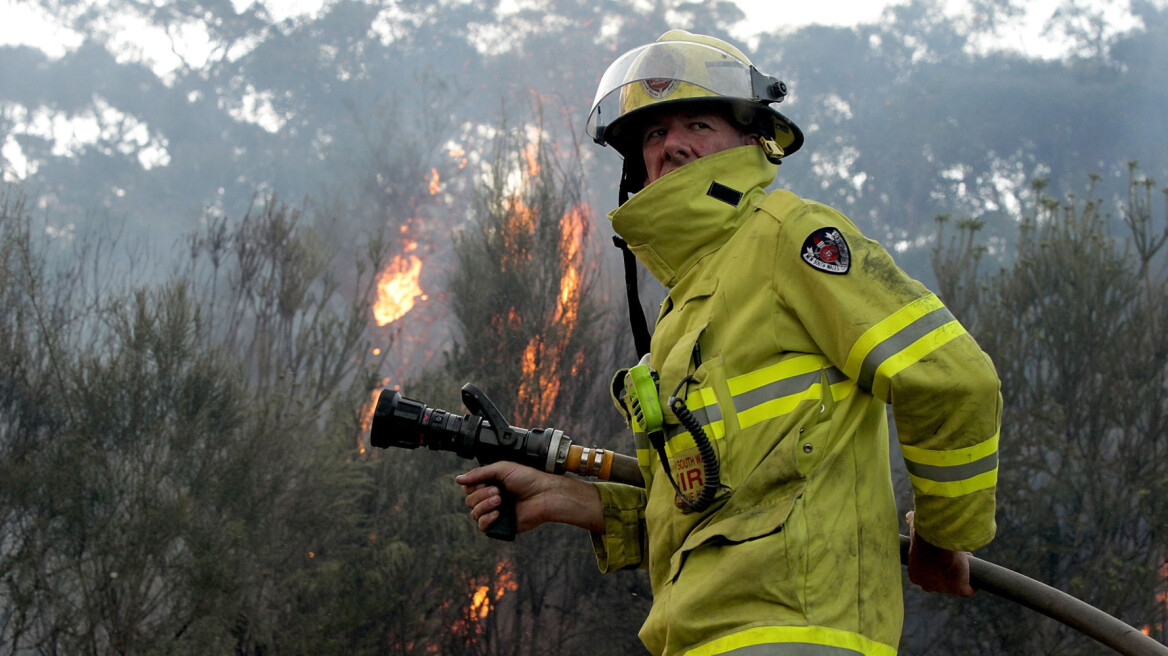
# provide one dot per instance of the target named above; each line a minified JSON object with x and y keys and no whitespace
{"x":1057,"y":605}
{"x":485,"y":435}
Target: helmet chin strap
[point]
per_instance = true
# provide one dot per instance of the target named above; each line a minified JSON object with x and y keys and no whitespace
{"x":773,"y":151}
{"x":632,"y":181}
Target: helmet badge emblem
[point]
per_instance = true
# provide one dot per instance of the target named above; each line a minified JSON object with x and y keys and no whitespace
{"x":660,"y":72}
{"x":659,"y":88}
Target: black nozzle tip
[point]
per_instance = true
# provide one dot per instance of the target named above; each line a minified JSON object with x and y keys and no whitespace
{"x":396,"y":422}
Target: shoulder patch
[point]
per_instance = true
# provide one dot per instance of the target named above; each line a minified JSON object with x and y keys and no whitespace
{"x":826,"y":250}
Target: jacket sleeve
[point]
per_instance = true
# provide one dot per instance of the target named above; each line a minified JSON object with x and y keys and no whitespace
{"x":624,"y":543}
{"x":896,"y":340}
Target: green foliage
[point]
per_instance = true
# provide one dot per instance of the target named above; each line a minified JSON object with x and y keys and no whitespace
{"x":178,"y":468}
{"x":908,"y":118}
{"x":1076,"y":329}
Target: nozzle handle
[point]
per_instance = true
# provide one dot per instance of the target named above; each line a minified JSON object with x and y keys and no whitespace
{"x":506,"y":526}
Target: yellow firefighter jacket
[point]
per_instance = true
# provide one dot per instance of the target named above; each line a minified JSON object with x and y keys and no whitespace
{"x":796,"y":330}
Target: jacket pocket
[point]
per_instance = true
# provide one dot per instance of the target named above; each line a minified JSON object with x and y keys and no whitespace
{"x":750,"y":513}
{"x":752,"y":573}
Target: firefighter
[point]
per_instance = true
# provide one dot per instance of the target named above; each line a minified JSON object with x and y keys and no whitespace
{"x":768,"y":523}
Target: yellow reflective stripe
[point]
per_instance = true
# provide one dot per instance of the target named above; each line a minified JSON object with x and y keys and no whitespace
{"x":898,"y":342}
{"x":703,"y":403}
{"x":913,"y":354}
{"x":714,"y":424}
{"x":645,"y":458}
{"x":644,"y":448}
{"x":952,"y":473}
{"x":881,"y":331}
{"x":781,"y":396}
{"x":777,"y":407}
{"x":950,"y":489}
{"x":684,"y":441}
{"x":842,"y":389}
{"x":809,"y":639}
{"x":716,"y":430}
{"x":766,"y":393}
{"x":950,"y":457}
{"x":785,"y":369}
{"x":701,"y":398}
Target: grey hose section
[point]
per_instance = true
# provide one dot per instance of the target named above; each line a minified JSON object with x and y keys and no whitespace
{"x":626,"y":470}
{"x":1057,"y":605}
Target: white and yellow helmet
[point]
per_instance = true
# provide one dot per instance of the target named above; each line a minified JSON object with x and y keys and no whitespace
{"x":681,"y":67}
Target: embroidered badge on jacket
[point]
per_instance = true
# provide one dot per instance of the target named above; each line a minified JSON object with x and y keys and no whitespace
{"x":827,"y":251}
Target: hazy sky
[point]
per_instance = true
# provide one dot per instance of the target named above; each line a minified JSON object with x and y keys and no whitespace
{"x":768,"y":15}
{"x":28,"y":25}
{"x":25,"y":24}
{"x":1024,"y":35}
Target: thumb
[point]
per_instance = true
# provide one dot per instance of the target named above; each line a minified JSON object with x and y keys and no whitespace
{"x":494,"y":471}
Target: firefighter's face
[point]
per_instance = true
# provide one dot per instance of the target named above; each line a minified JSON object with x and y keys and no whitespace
{"x":673,"y":139}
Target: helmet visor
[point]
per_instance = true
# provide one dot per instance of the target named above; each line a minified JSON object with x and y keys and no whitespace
{"x":666,"y":71}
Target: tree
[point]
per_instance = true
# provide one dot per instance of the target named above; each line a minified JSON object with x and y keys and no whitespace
{"x":1076,"y":329}
{"x":909,"y":118}
{"x":534,"y":337}
{"x":178,"y":460}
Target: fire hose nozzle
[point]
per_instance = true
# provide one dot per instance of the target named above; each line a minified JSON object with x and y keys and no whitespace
{"x":485,"y":435}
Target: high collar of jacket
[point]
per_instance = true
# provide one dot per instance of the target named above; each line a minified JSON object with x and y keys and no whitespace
{"x":689,"y":212}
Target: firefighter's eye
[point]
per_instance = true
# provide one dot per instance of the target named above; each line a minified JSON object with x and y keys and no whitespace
{"x":654,"y":133}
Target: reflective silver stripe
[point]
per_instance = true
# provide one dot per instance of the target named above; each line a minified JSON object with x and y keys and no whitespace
{"x":776,"y":390}
{"x":942,"y":474}
{"x":792,"y":649}
{"x":705,"y":417}
{"x":786,"y":387}
{"x":753,"y":398}
{"x":898,"y":341}
{"x":835,"y":376}
{"x":708,"y":414}
{"x":641,"y":441}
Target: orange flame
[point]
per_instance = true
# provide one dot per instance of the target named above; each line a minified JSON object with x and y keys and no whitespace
{"x":571,"y":237}
{"x":435,"y":185}
{"x":539,"y":385}
{"x":531,"y":156}
{"x":541,"y":363}
{"x":459,"y":154}
{"x":483,"y":599}
{"x":519,"y":226}
{"x":398,"y":287}
{"x":1161,"y":599}
{"x":366,"y":414}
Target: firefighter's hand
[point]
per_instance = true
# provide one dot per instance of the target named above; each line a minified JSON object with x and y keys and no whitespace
{"x":935,"y":569}
{"x":539,"y":497}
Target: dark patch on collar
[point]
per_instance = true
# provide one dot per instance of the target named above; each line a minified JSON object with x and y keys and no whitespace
{"x":725,"y":194}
